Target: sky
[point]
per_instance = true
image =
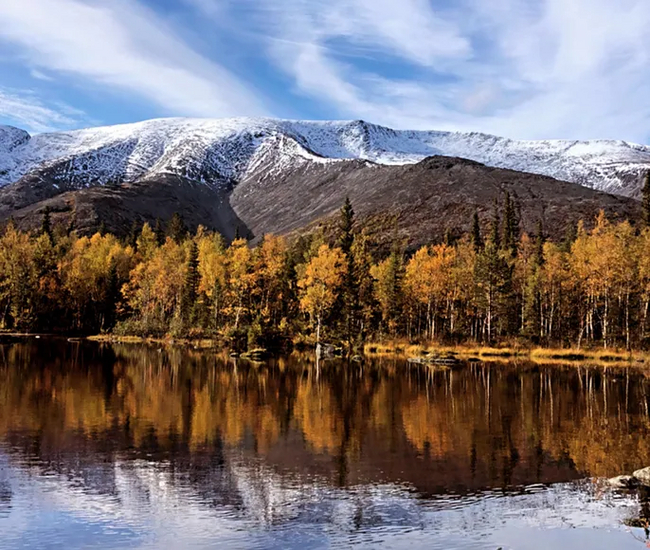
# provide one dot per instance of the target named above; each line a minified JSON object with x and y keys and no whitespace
{"x":525,"y":69}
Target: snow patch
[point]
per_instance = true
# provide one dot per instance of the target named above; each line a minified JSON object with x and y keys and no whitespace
{"x":213,"y":151}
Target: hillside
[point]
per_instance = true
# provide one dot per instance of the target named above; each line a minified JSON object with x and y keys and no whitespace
{"x":251,"y":176}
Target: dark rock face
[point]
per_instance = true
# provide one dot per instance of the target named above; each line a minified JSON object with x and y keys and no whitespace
{"x":426,"y":199}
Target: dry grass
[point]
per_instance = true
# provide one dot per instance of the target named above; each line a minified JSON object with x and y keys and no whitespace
{"x":200,"y":343}
{"x":559,"y":356}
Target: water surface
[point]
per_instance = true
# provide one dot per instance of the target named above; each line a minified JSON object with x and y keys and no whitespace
{"x":133,"y":447}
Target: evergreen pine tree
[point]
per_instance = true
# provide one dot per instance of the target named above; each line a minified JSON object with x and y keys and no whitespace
{"x":395,"y":277}
{"x":111,"y":298}
{"x":177,"y":229}
{"x":134,"y":233}
{"x":570,"y":235}
{"x":540,"y":239}
{"x":102,"y":229}
{"x":645,"y":199}
{"x":46,"y":224}
{"x":350,"y":294}
{"x":159,"y":230}
{"x":346,"y":222}
{"x":449,"y":237}
{"x":510,"y":229}
{"x":496,"y":227}
{"x":72,"y":223}
{"x":477,"y":240}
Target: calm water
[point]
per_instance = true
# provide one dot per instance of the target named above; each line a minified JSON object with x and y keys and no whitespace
{"x":131,"y":447}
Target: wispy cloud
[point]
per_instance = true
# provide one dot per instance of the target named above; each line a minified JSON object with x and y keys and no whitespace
{"x":26,"y":110}
{"x":517,"y":67}
{"x":40,"y":75}
{"x":123,"y":45}
{"x":520,"y":68}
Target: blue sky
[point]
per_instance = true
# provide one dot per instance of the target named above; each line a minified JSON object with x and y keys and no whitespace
{"x":541,"y":69}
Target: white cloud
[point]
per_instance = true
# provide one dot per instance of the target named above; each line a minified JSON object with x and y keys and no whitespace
{"x":122,"y":45}
{"x":27,"y":111}
{"x":547,"y":69}
{"x":520,"y":68}
{"x":39,"y":75}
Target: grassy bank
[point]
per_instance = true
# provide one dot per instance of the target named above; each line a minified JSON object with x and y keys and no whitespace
{"x":564,"y":356}
{"x":400,"y":348}
{"x":196,"y":343}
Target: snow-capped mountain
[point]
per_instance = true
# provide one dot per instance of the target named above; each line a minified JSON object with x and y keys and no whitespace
{"x":227,"y":150}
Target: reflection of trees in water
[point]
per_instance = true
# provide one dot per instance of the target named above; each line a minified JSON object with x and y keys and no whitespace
{"x":6,"y":495}
{"x":480,"y":426}
{"x":642,"y":519}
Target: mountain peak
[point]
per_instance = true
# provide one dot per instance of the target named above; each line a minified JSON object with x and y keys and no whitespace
{"x":214,"y":150}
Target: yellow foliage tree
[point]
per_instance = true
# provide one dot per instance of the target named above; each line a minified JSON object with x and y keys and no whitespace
{"x":321,"y":284}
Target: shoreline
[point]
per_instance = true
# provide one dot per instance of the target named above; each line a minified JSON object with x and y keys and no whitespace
{"x":402,"y":349}
{"x":536,"y":354}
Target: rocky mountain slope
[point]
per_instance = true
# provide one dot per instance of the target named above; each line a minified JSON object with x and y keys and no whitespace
{"x":264,"y":175}
{"x":216,"y":150}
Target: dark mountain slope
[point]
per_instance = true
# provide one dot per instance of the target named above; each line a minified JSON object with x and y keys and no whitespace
{"x":427,"y":198}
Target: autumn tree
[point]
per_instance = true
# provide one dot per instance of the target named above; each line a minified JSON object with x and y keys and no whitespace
{"x":321,"y":283}
{"x":388,"y":276}
{"x":428,"y":277}
{"x":212,"y":272}
{"x":241,"y":280}
{"x":18,"y":279}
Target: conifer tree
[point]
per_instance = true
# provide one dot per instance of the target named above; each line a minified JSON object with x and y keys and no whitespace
{"x":177,"y":229}
{"x":350,"y":294}
{"x":496,"y":227}
{"x":72,"y":223}
{"x":449,"y":237}
{"x":570,"y":235}
{"x":111,"y":298}
{"x":645,"y":199}
{"x":46,"y":224}
{"x":346,"y":223}
{"x":510,"y":229}
{"x":477,"y":240}
{"x":159,"y":231}
{"x":540,"y":239}
{"x":134,"y":233}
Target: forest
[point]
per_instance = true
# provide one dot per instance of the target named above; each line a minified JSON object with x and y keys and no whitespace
{"x":493,"y":285}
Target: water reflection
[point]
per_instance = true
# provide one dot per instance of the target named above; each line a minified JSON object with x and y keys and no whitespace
{"x":122,"y":438}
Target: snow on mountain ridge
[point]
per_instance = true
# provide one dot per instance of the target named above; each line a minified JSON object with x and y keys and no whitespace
{"x":217,"y":150}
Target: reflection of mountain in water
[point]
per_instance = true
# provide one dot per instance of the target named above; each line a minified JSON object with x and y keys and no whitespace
{"x":144,"y":427}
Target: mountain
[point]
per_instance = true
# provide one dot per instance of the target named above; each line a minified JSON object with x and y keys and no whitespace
{"x":253,"y":173}
{"x":213,"y":150}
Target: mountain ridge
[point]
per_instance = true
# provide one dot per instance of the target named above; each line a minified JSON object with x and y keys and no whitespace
{"x":222,"y":151}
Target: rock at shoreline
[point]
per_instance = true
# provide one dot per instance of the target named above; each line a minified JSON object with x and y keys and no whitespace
{"x":643,"y":476}
{"x":624,"y":482}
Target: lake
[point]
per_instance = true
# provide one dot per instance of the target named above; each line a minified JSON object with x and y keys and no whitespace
{"x":115,"y":446}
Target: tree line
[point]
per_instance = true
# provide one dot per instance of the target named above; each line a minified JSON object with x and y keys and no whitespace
{"x":488,"y":286}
